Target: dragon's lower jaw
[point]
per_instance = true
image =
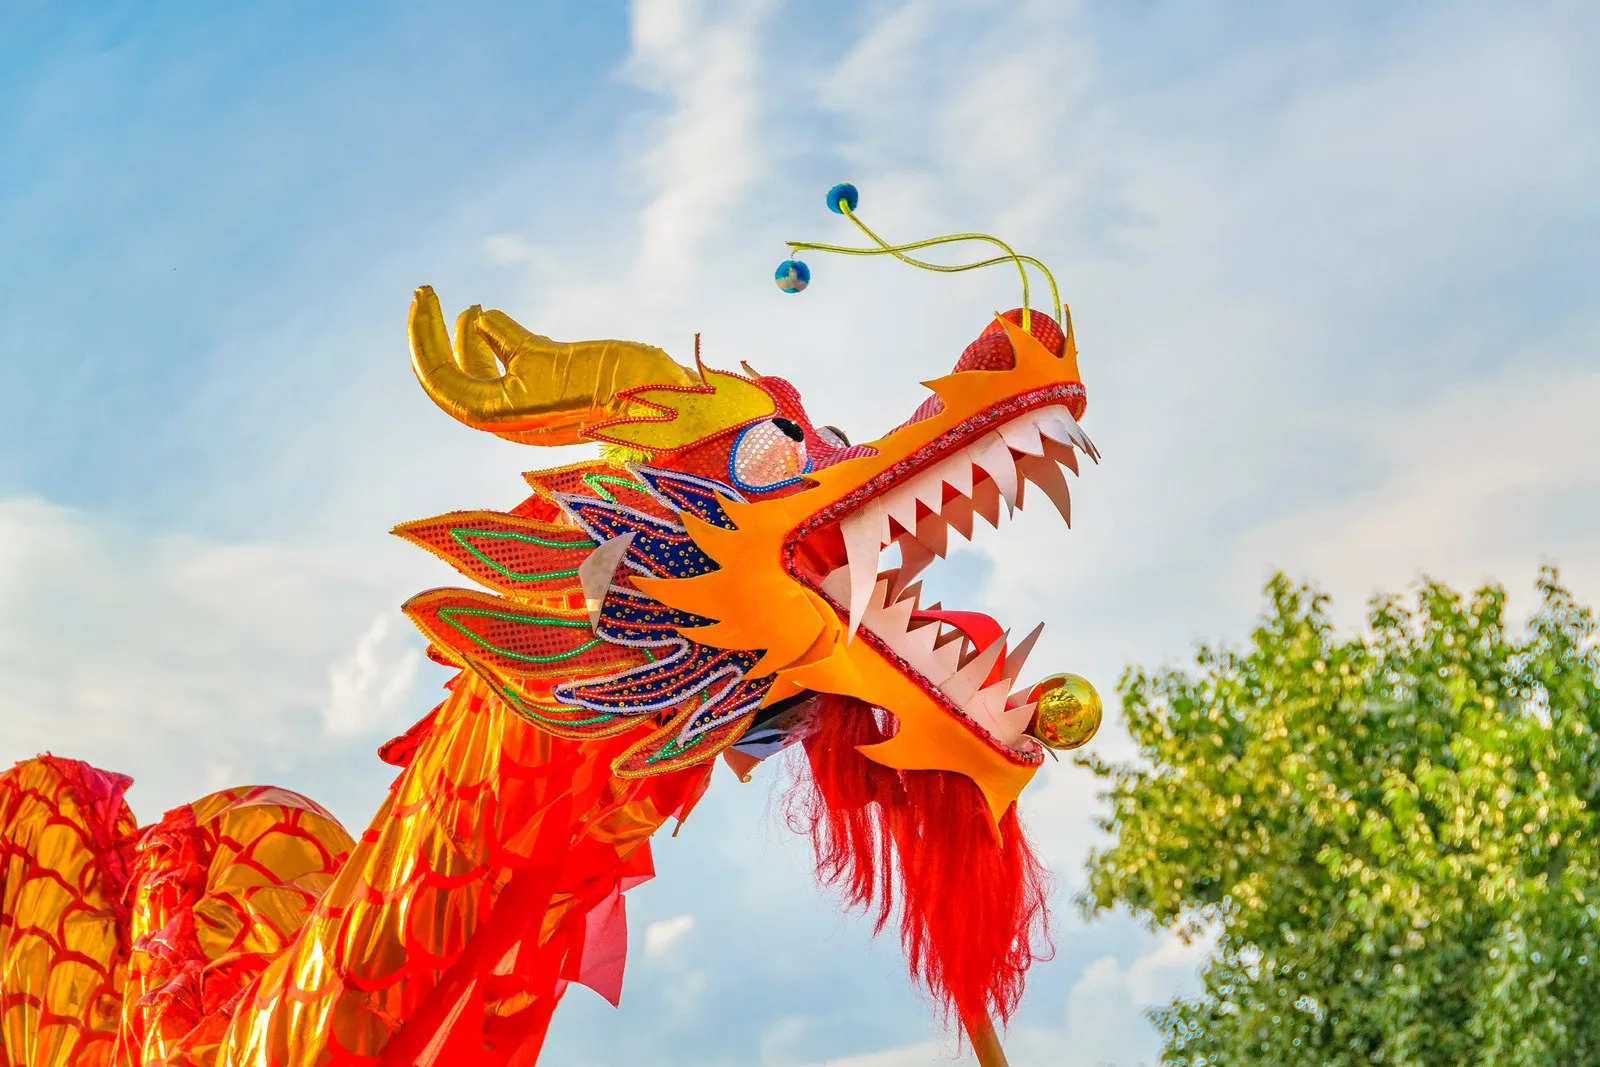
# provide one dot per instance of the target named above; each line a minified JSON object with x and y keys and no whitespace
{"x":960,"y":658}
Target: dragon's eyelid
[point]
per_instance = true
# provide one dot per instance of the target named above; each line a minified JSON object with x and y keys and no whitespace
{"x":843,"y":438}
{"x":789,"y":428}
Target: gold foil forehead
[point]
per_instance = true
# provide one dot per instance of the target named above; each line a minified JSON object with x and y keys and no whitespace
{"x":674,"y":417}
{"x":519,"y":385}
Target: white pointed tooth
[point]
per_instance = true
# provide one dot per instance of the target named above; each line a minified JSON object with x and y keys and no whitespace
{"x":1079,"y":438}
{"x":892,"y":621}
{"x":933,"y":532}
{"x":968,"y":650}
{"x":958,"y":515}
{"x":1013,"y":724}
{"x":914,"y":559}
{"x":837,"y":585}
{"x":928,"y":487}
{"x":864,"y":533}
{"x":1027,"y":707}
{"x":1020,"y":717}
{"x":963,"y":685}
{"x":986,"y":502}
{"x":1065,"y":455}
{"x":1016,"y":657}
{"x":1068,"y":431}
{"x":913,"y":593}
{"x":919,"y":641}
{"x":1043,"y":472}
{"x":944,"y":660}
{"x":880,"y":591}
{"x":901,"y":506}
{"x":1053,"y":424}
{"x":949,"y":636}
{"x":1022,"y":436}
{"x":956,"y":472}
{"x":1089,"y":447}
{"x":987,"y":709}
{"x":994,"y":457}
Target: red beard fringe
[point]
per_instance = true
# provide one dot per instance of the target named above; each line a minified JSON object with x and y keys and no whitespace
{"x":971,"y":907}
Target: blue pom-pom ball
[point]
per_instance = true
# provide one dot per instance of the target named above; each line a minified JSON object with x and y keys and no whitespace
{"x":846,"y":192}
{"x":792,"y":276}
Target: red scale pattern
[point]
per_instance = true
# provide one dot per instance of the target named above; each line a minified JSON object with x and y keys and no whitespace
{"x":429,"y":948}
{"x":219,"y":889}
{"x":63,"y":859}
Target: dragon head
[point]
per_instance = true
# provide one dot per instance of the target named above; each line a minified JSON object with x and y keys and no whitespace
{"x":720,"y":566}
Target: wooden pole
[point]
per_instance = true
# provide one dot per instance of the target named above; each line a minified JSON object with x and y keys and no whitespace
{"x":986,"y":1044}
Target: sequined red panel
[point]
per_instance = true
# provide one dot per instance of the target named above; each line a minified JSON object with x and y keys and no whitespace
{"x":992,"y":349}
{"x":514,"y":637}
{"x":504,"y":552}
{"x":599,"y":480}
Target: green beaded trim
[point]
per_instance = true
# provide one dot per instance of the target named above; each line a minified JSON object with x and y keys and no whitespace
{"x":598,"y":482}
{"x":460,"y":535}
{"x":449,"y":615}
{"x":522,"y":707}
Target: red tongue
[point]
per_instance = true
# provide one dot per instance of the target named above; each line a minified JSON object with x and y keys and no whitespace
{"x":980,"y":629}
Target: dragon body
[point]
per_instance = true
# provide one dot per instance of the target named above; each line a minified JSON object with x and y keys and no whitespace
{"x":709,"y":587}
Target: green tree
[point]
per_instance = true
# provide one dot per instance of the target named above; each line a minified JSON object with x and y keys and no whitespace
{"x":1393,"y":837}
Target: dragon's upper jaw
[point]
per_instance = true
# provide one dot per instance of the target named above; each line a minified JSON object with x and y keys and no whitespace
{"x":960,"y":658}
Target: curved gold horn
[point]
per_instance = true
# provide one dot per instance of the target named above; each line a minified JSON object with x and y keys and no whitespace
{"x":548,"y":391}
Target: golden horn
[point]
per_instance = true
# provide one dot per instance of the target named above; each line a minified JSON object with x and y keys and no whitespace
{"x":549,"y":391}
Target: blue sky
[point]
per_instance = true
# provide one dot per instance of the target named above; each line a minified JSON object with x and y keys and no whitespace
{"x":1333,"y":270}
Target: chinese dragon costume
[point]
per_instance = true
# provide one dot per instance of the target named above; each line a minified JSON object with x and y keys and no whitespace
{"x":709,"y":586}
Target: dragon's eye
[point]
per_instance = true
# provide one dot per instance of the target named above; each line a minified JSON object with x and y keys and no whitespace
{"x":768,"y":455}
{"x":833,"y":436}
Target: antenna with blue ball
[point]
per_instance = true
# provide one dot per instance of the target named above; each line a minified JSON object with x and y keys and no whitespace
{"x":793,"y":275}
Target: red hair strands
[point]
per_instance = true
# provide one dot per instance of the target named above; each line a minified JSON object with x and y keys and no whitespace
{"x":971,"y":903}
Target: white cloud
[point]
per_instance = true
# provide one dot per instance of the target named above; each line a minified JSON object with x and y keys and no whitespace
{"x":193,"y":664}
{"x":1477,"y":483}
{"x":1148,"y":981}
{"x":661,"y":938}
{"x":509,"y":250}
{"x":367,"y":688}
{"x":702,"y":156}
{"x":1104,"y":1022}
{"x":923,"y":1054}
{"x":683,"y":994}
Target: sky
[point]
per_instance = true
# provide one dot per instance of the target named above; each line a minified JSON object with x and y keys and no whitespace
{"x":1333,"y":269}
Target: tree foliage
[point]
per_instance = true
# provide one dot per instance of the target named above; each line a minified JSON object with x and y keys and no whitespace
{"x":1393,"y":836}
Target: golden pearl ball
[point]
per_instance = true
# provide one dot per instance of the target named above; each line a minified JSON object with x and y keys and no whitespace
{"x":1069,"y":712}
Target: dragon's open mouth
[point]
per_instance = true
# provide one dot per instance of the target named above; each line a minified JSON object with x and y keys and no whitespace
{"x":961,"y":658}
